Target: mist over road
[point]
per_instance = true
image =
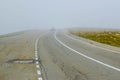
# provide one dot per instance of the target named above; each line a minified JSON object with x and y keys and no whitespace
{"x":56,"y":55}
{"x":62,"y":58}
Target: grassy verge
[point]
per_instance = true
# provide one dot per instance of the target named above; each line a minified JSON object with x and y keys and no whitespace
{"x":110,"y":38}
{"x":11,"y":34}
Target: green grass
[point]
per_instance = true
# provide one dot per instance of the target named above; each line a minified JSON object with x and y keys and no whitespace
{"x":110,"y":38}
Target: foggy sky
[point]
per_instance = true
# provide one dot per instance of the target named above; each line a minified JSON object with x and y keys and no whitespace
{"x":18,"y":15}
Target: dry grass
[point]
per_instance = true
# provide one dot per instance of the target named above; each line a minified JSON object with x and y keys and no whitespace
{"x":109,"y":37}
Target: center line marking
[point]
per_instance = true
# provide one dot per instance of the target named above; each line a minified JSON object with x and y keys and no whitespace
{"x":107,"y":65}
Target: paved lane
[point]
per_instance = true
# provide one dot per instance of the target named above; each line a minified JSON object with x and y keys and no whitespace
{"x":61,"y":63}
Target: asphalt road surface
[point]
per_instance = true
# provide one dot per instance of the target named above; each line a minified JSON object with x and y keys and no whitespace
{"x":64,"y":58}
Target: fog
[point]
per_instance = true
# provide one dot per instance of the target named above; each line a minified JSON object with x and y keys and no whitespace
{"x":16,"y":15}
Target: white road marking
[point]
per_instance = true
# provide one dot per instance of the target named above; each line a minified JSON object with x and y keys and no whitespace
{"x":36,"y":54}
{"x":107,"y":65}
{"x":91,"y":44}
{"x":37,"y":66}
{"x":36,"y":44}
{"x":37,"y":62}
{"x":40,"y":78}
{"x":36,"y":51}
{"x":39,"y":72}
{"x":36,"y":58}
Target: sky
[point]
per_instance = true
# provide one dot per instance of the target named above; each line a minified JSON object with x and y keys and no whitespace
{"x":16,"y":15}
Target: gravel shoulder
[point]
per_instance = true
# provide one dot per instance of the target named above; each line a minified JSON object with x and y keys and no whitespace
{"x":18,"y":47}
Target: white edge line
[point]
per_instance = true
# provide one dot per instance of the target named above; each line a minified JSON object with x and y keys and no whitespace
{"x":107,"y":65}
{"x":39,"y":72}
{"x":36,"y":57}
{"x":36,"y":53}
{"x":37,"y":66}
{"x":37,"y":62}
{"x":91,"y":44}
{"x":40,"y":78}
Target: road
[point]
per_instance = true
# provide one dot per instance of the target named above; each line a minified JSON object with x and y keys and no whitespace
{"x":64,"y":58}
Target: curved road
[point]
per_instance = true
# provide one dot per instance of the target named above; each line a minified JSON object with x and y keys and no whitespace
{"x":63,"y":58}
